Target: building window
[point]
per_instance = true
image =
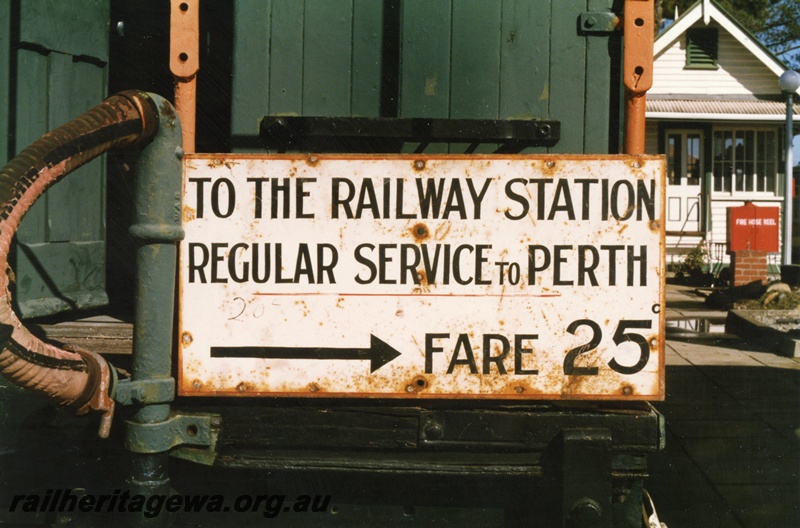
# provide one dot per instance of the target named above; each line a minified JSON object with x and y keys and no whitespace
{"x":683,"y":158}
{"x":745,"y":160}
{"x":702,"y":45}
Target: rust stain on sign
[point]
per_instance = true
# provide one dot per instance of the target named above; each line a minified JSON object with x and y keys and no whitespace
{"x":420,"y":233}
{"x":511,"y":277}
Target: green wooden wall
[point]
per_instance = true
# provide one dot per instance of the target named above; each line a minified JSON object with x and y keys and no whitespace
{"x":5,"y":66}
{"x":523,"y":59}
{"x":496,"y":59}
{"x":53,"y":67}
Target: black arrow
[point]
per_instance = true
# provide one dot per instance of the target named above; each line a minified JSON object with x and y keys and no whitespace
{"x":379,"y":353}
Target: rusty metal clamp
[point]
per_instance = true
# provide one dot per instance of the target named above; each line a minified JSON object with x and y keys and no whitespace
{"x":100,"y":400}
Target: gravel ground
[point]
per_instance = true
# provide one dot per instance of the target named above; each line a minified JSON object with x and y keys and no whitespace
{"x":783,"y":320}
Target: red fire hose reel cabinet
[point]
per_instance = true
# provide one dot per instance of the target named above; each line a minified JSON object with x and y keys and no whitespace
{"x":753,"y":228}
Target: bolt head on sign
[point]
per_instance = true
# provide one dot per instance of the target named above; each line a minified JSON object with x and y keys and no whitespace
{"x":398,"y":276}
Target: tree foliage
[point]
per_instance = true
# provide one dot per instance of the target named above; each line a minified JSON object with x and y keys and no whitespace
{"x":775,"y":22}
{"x":781,"y":31}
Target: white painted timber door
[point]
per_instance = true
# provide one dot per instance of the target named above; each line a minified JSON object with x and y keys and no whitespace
{"x":684,"y":177}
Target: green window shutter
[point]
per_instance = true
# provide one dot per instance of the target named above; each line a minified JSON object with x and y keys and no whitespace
{"x":702,"y":48}
{"x":58,"y":55}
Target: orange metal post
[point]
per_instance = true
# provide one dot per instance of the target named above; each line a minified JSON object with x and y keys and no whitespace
{"x":184,"y":62}
{"x":639,"y":34}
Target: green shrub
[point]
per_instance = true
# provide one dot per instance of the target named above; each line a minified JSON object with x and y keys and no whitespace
{"x":695,"y":261}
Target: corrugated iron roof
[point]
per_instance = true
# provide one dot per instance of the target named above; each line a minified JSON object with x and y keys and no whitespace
{"x":719,"y":106}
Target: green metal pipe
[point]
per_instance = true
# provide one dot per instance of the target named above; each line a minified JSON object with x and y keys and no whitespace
{"x":157,"y":230}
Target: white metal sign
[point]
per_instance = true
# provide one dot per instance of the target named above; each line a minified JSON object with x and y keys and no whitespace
{"x":418,"y":276}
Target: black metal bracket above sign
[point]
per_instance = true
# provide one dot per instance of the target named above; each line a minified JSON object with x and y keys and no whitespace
{"x":599,"y":22}
{"x":387,"y":135}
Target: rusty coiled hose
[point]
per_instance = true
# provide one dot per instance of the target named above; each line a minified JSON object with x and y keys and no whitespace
{"x":71,"y":377}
